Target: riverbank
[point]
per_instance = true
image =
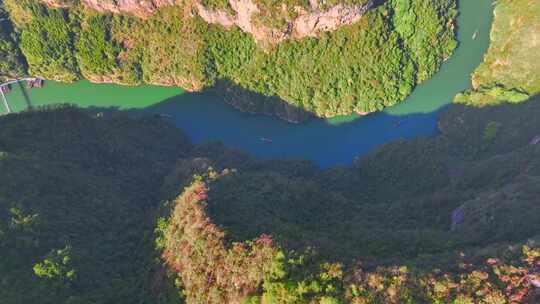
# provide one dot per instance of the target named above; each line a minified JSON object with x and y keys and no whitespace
{"x":509,"y":72}
{"x":366,"y":64}
{"x":327,"y":142}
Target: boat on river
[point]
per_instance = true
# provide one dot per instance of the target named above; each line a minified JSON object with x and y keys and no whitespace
{"x":166,"y":116}
{"x":266,"y":140}
{"x":475,"y":35}
{"x":327,"y":142}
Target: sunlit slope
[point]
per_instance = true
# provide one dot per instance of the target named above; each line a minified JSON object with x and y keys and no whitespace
{"x":510,"y":68}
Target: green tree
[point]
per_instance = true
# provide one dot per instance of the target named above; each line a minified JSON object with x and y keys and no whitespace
{"x":12,"y":63}
{"x":96,"y":53}
{"x":47,"y":43}
{"x":56,"y":266}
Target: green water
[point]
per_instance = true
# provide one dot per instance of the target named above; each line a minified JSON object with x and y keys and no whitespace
{"x":86,"y":94}
{"x":327,"y":142}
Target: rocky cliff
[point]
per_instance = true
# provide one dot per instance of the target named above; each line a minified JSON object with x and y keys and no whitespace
{"x":140,"y":8}
{"x":360,"y":64}
{"x":308,"y":22}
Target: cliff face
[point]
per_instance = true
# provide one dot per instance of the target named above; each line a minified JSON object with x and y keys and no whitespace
{"x":307,"y":23}
{"x":56,"y":3}
{"x":362,"y":63}
{"x":311,"y":24}
{"x":140,"y":8}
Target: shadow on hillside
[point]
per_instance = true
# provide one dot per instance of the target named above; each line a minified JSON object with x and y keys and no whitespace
{"x":225,"y":92}
{"x":25,"y":94}
{"x":208,"y":116}
{"x":254,"y":103}
{"x":401,"y":199}
{"x":463,"y":127}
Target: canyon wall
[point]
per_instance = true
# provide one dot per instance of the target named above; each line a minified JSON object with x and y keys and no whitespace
{"x":308,"y":22}
{"x":140,"y":8}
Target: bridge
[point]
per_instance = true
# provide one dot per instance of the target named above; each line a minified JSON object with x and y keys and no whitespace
{"x":6,"y":84}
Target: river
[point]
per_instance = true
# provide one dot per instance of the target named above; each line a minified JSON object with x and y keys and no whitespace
{"x":329,"y":142}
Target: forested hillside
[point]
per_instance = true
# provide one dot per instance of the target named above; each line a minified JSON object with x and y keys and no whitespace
{"x":361,"y":66}
{"x":77,"y":205}
{"x":470,"y":191}
{"x":481,"y":167}
{"x":510,"y":68}
{"x":89,"y":203}
{"x":100,"y":207}
{"x":12,"y":64}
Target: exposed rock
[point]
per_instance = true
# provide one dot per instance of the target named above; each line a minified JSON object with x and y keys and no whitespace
{"x":458,"y":216}
{"x":307,"y":24}
{"x":312,"y":24}
{"x":189,"y":84}
{"x":363,"y":113}
{"x":57,"y":3}
{"x":535,"y":281}
{"x":535,"y":140}
{"x":140,"y":8}
{"x":216,"y":16}
{"x":115,"y":79}
{"x":244,"y":10}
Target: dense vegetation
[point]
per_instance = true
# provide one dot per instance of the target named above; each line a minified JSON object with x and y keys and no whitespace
{"x":102,"y":208}
{"x":419,"y":204}
{"x":363,"y":67}
{"x":509,"y":70}
{"x":195,"y":252}
{"x":77,"y":196}
{"x":80,"y":197}
{"x":211,"y":272}
{"x":96,"y":53}
{"x":47,"y":44}
{"x":481,"y":166}
{"x":11,"y":62}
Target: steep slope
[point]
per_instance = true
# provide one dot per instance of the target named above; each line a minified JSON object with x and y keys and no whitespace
{"x":358,"y":56}
{"x":510,"y":68}
{"x":266,"y":22}
{"x":399,"y":218}
{"x":77,"y":197}
{"x":79,"y":200}
{"x":473,"y":185}
{"x":11,"y":62}
{"x":211,"y":271}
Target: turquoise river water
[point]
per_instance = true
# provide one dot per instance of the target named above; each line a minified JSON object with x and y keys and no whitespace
{"x":326,"y":142}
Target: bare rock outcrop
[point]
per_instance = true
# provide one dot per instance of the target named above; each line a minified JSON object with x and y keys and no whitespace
{"x":140,"y":8}
{"x":307,"y":24}
{"x":312,"y":24}
{"x":57,"y":3}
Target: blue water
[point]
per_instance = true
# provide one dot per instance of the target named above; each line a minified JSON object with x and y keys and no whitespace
{"x":326,"y":142}
{"x":338,"y":141}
